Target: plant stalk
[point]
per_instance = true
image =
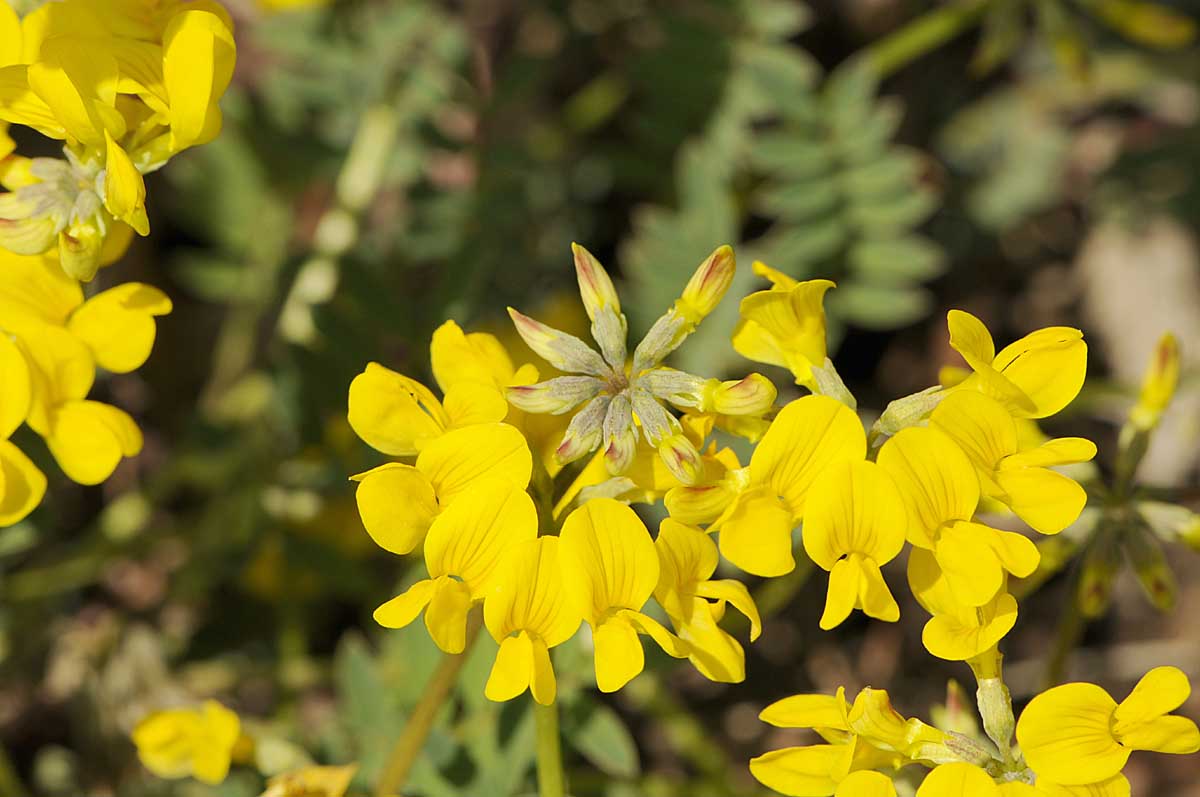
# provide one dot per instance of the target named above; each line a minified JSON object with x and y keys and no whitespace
{"x":412,"y":741}
{"x":551,"y":780}
{"x":922,"y":35}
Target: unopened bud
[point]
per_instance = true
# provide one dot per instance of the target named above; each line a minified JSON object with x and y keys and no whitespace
{"x":753,"y":395}
{"x":681,"y":458}
{"x":620,"y":434}
{"x":1100,"y":566}
{"x":829,"y":383}
{"x":584,"y":432}
{"x":679,"y":388}
{"x":956,"y":714}
{"x":1149,"y":563}
{"x":1172,"y":522}
{"x":1159,"y":383}
{"x":565,"y":352}
{"x":79,"y":251}
{"x":708,"y":285}
{"x":554,"y":396}
{"x":595,"y":287}
{"x":907,"y":411}
{"x":657,"y":423}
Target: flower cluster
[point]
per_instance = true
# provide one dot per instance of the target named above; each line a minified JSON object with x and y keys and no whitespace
{"x":1074,"y":741}
{"x":125,"y":86}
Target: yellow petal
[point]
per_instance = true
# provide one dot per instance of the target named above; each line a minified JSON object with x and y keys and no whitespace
{"x":735,"y":594}
{"x":756,"y":534}
{"x":471,"y":536}
{"x":793,"y":320}
{"x":60,"y":366}
{"x":468,"y":403}
{"x":958,"y":779}
{"x":198,"y":60}
{"x":124,"y":189}
{"x":16,"y":389}
{"x":694,"y":505}
{"x":513,"y":669}
{"x":22,"y":485}
{"x":874,"y":597}
{"x":20,"y":105}
{"x":802,"y":771}
{"x":10,"y":36}
{"x":531,"y":596}
{"x":1048,"y":366}
{"x":397,"y":505}
{"x":808,"y":711}
{"x":476,"y":358}
{"x":935,"y":478}
{"x":1059,"y":451}
{"x":456,"y":460}
{"x":717,"y":655}
{"x":446,"y":614}
{"x":619,"y":656}
{"x":407,"y":606}
{"x":970,"y":338}
{"x":1160,"y":691}
{"x":841,"y":595}
{"x":752,"y":340}
{"x":213,"y":753}
{"x":1170,"y":734}
{"x":1048,"y":501}
{"x":855,"y":508}
{"x":866,"y":784}
{"x":807,"y":437}
{"x":88,"y":440}
{"x":643,"y":624}
{"x":1116,"y":786}
{"x":1065,"y":735}
{"x":543,"y":686}
{"x":392,"y":413}
{"x":36,"y":288}
{"x":970,"y":565}
{"x":686,"y":556}
{"x":608,"y":560}
{"x":956,"y":632}
{"x":980,"y":425}
{"x":79,"y":85}
{"x":118,"y":325}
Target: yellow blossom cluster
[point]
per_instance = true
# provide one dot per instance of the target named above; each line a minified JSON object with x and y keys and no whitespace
{"x":125,"y":85}
{"x":1074,"y":741}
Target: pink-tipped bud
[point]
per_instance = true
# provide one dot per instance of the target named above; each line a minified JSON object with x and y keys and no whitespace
{"x":1159,"y":383}
{"x":708,"y":285}
{"x":584,"y":432}
{"x":554,"y":396}
{"x":682,"y":459}
{"x":565,"y":352}
{"x":595,"y":287}
{"x":753,"y":395}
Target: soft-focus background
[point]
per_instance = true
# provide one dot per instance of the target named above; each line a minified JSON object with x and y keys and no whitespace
{"x":389,"y":164}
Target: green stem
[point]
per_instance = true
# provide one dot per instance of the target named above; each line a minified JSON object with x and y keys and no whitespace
{"x":551,"y":781}
{"x":408,"y":747}
{"x":923,"y":35}
{"x":10,"y":782}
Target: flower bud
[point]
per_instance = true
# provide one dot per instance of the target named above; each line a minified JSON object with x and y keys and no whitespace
{"x":908,"y":411}
{"x":584,"y":432}
{"x":1149,"y":563}
{"x":680,"y":388}
{"x":565,"y":352}
{"x":595,"y":287}
{"x":681,"y":458}
{"x":620,"y":434}
{"x":752,"y":395}
{"x":707,"y":286}
{"x":1100,"y":566}
{"x":555,"y":396}
{"x":1172,"y":522}
{"x":829,"y":383}
{"x":1158,"y":385}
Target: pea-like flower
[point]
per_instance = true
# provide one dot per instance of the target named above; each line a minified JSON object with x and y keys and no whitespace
{"x":197,"y":742}
{"x":957,"y":631}
{"x":613,"y":392}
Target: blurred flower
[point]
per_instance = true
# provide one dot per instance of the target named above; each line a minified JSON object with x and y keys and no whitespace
{"x":312,"y":782}
{"x":197,"y":742}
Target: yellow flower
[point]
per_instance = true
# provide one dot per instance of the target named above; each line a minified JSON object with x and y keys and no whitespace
{"x":528,"y":613}
{"x":610,"y":569}
{"x":22,"y":485}
{"x":957,"y":631}
{"x":785,"y":325}
{"x":1076,"y":734}
{"x":812,"y":771}
{"x":398,"y":502}
{"x":756,"y":508}
{"x":190,"y":741}
{"x":1016,"y":476}
{"x":1034,"y":377}
{"x":613,"y":393}
{"x":464,"y":549}
{"x":312,"y":782}
{"x":1158,"y":385}
{"x":866,"y":784}
{"x":687,"y":560}
{"x":854,"y":523}
{"x":941,"y":490}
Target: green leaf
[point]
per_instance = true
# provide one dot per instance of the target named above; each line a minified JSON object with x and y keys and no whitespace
{"x":873,"y":137}
{"x":894,"y":214}
{"x":603,"y":739}
{"x":904,"y":260}
{"x":889,"y":175}
{"x":805,"y":243}
{"x":880,"y":307}
{"x":799,"y":200}
{"x":786,"y":153}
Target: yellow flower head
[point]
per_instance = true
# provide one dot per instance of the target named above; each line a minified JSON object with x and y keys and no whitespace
{"x":528,"y":613}
{"x":941,"y":490}
{"x":785,"y":325}
{"x":610,"y":569}
{"x":613,"y":393}
{"x":1034,"y":377}
{"x":1017,"y":476}
{"x":854,"y":523}
{"x":756,"y":508}
{"x":1096,"y":743}
{"x":196,"y":742}
{"x":464,"y":549}
{"x":687,"y":560}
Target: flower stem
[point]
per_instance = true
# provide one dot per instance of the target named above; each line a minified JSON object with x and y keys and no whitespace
{"x":551,"y":781}
{"x":922,"y":35}
{"x":408,"y":747}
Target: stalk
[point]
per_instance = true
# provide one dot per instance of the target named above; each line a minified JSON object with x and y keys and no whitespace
{"x":922,"y":35}
{"x":551,"y":780}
